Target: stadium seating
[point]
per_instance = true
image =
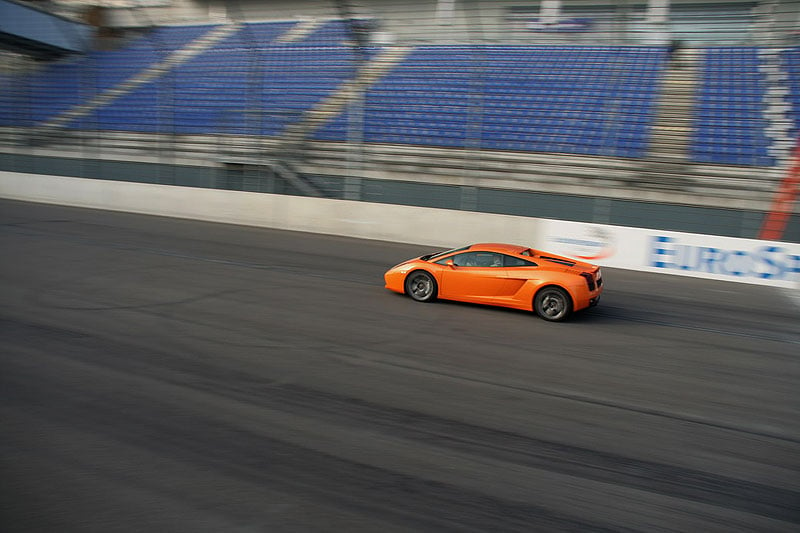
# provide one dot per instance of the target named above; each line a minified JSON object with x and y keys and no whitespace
{"x":573,"y":99}
{"x":246,"y":84}
{"x":729,"y":115}
{"x":62,"y":85}
{"x":592,"y":100}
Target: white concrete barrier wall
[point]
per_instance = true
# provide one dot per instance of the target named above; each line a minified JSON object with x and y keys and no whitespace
{"x":705,"y":256}
{"x":417,"y":225}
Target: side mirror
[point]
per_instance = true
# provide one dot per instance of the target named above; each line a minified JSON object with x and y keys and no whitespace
{"x":450,"y":263}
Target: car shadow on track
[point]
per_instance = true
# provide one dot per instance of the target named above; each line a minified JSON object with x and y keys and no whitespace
{"x":590,"y":315}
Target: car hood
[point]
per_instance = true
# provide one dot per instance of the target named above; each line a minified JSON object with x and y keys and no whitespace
{"x":399,"y":265}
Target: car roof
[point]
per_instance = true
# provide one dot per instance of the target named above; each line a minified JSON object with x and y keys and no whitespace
{"x":499,"y":247}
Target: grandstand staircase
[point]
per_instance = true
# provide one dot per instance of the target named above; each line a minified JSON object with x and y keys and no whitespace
{"x":668,"y":153}
{"x":671,"y":135}
{"x":777,"y":109}
{"x":149,"y":74}
{"x":300,"y":31}
{"x":295,"y":134}
{"x":347,"y":93}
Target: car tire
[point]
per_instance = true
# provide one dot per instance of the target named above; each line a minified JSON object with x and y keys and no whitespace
{"x":421,"y":286}
{"x":553,"y":304}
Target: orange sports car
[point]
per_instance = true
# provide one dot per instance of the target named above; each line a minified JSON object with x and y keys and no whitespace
{"x":501,"y":274}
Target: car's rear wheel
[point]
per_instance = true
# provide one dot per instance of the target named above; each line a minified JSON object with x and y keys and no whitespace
{"x":553,"y":303}
{"x":421,"y":286}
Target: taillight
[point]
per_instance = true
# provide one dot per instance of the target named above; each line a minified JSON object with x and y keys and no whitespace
{"x":589,"y":280}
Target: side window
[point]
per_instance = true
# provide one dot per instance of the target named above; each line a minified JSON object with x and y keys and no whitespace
{"x":511,"y":261}
{"x":489,"y":259}
{"x":486,"y":259}
{"x":465,"y":260}
{"x":478,"y":259}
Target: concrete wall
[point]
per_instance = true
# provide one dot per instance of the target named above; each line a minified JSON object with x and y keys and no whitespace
{"x":419,"y":225}
{"x":704,"y":256}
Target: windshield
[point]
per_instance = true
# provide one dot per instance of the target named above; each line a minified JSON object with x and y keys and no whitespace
{"x":431,"y":257}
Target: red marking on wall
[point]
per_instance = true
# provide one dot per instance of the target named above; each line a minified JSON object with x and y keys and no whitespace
{"x":781,"y":210}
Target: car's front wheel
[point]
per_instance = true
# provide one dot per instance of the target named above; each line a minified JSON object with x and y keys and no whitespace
{"x":553,"y":303}
{"x":421,"y":286}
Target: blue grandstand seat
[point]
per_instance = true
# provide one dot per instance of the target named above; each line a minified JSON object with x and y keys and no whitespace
{"x":246,"y":84}
{"x":61,"y":85}
{"x":729,"y":121}
{"x":594,"y":100}
{"x":522,"y":98}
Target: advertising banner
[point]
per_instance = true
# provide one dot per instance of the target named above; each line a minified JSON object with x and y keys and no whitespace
{"x":687,"y":254}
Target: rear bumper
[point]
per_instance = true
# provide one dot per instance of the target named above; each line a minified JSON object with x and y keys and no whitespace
{"x":585,"y":299}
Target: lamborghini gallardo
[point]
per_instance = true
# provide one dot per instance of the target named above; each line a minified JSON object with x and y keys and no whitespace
{"x":504,"y":275}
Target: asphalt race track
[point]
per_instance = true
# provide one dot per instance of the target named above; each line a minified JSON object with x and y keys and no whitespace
{"x":171,"y":375}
